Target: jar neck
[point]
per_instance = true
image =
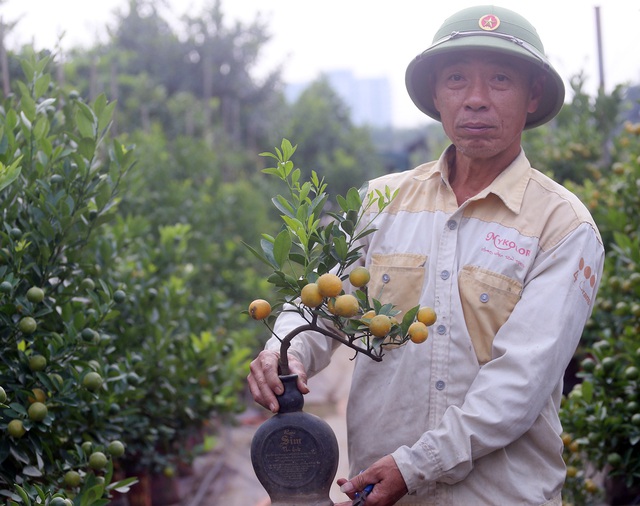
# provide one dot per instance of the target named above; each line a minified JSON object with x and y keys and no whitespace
{"x":291,"y":399}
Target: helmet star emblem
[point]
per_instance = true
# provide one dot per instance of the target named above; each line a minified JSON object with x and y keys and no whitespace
{"x":489,"y":22}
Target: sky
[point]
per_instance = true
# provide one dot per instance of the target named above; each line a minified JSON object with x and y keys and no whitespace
{"x":372,"y":38}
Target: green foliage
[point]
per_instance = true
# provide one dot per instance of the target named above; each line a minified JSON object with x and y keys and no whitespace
{"x":180,"y":360}
{"x":175,"y":250}
{"x":120,"y":306}
{"x":61,"y":178}
{"x":574,"y":146}
{"x":603,"y":412}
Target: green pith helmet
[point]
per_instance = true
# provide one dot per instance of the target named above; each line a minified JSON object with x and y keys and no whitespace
{"x":489,"y":28}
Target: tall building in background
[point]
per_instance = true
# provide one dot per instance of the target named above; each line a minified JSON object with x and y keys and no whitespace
{"x":368,"y":98}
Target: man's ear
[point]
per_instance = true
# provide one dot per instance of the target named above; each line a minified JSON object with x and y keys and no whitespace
{"x":537,"y":87}
{"x":432,"y":82}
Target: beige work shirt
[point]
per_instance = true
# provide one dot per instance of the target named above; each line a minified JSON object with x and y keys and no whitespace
{"x":471,"y":415}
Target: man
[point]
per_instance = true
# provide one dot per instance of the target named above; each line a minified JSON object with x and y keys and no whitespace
{"x":511,"y":262}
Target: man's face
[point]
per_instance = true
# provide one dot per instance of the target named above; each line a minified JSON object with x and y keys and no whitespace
{"x":483,"y":100}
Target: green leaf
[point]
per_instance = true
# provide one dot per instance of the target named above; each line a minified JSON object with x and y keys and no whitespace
{"x":287,"y":149}
{"x":41,"y":108}
{"x":587,"y":391}
{"x":363,"y":191}
{"x":23,"y":495}
{"x":623,"y":241}
{"x":387,"y":309}
{"x":364,"y":233}
{"x":28,"y":69}
{"x":317,"y":205}
{"x":314,"y":179}
{"x":42,"y":84}
{"x":342,"y":202}
{"x":87,"y":147}
{"x":104,"y":116}
{"x":408,"y":319}
{"x":376,"y":342}
{"x":304,"y":192}
{"x":103,"y":196}
{"x":79,"y":320}
{"x":99,"y":104}
{"x":10,"y":120}
{"x":4,"y":142}
{"x":91,"y":495}
{"x":294,"y":225}
{"x":342,"y":249}
{"x":27,"y":104}
{"x":32,"y":471}
{"x":18,"y":408}
{"x":302,"y":213}
{"x":86,"y":121}
{"x":298,"y":258}
{"x":41,"y":128}
{"x":25,"y":121}
{"x":267,"y":249}
{"x":283,"y":206}
{"x":354,"y":202}
{"x":295,"y":174}
{"x":347,"y":226}
{"x":282,"y":247}
{"x":9,"y":174}
{"x":122,"y":486}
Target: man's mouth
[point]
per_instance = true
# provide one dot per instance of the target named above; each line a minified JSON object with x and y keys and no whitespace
{"x":475,"y":127}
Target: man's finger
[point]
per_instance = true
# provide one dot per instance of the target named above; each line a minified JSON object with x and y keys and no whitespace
{"x":356,"y":484}
{"x":264,"y":382}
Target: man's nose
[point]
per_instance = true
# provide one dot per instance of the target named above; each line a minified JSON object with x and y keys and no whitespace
{"x":477,"y":96}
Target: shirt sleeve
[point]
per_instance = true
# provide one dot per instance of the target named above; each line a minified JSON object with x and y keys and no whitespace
{"x":530,"y":354}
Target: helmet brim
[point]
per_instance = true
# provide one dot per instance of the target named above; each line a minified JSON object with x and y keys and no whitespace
{"x":419,"y":75}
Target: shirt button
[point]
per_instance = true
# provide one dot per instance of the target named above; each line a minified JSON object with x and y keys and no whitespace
{"x":452,"y":225}
{"x":386,"y":278}
{"x":444,"y":275}
{"x":484,"y":297}
{"x":441,"y":329}
{"x":440,"y":385}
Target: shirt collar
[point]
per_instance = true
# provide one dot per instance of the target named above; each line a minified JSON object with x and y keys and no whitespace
{"x":509,"y":186}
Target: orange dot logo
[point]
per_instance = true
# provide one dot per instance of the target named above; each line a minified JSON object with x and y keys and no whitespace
{"x":489,"y":22}
{"x":587,"y":272}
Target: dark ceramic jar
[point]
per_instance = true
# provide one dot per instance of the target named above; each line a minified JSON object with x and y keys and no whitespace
{"x":295,"y":454}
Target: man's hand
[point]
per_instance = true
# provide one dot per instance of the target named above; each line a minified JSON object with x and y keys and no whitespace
{"x":389,"y":486}
{"x":264,"y":382}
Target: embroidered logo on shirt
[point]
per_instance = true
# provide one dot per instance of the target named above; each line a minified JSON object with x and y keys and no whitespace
{"x":507,"y":244}
{"x":506,"y":248}
{"x":586,"y":278}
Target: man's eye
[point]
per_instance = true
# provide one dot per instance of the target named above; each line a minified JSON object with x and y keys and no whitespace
{"x":501,"y":78}
{"x":455,"y":77}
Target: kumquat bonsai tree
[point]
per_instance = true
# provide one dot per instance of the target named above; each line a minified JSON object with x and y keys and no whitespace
{"x":313,"y":259}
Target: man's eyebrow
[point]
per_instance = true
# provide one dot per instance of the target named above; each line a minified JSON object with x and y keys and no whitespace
{"x":496,"y":62}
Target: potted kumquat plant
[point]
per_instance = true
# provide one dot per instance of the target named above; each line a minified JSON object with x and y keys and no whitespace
{"x":316,"y":274}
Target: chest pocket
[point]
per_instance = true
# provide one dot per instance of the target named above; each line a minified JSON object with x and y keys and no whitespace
{"x":397,"y":279}
{"x":488,"y":298}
